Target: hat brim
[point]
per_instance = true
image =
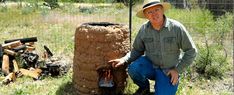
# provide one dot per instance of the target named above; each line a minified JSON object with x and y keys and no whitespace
{"x":165,"y":5}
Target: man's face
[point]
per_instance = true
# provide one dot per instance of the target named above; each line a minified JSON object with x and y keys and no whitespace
{"x":154,"y":14}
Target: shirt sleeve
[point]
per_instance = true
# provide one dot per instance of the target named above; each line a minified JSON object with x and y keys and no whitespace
{"x":138,"y":48}
{"x":188,"y":47}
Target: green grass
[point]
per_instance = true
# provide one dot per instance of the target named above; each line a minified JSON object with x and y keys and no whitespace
{"x":56,"y":29}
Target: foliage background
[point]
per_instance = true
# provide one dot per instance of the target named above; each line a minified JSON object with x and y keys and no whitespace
{"x":211,"y":73}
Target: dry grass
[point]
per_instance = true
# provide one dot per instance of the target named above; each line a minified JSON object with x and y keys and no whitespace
{"x":56,"y":28}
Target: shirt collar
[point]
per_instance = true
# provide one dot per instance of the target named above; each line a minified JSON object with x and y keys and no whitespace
{"x":166,"y":22}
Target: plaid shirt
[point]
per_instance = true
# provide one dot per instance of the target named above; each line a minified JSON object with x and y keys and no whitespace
{"x":170,"y":47}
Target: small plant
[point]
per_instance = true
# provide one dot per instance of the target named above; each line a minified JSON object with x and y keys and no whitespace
{"x":27,"y":10}
{"x":87,"y":10}
{"x":119,"y":6}
{"x":211,"y":64}
{"x":20,"y":91}
{"x":3,"y":8}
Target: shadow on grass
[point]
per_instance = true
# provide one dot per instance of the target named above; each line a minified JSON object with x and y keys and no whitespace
{"x":66,"y":89}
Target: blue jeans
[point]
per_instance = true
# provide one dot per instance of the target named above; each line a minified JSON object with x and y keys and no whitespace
{"x":142,"y":69}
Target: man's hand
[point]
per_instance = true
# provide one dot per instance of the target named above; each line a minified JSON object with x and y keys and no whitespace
{"x":174,"y":76}
{"x":116,"y":62}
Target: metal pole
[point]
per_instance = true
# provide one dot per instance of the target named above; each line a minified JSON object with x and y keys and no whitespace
{"x":130,"y":23}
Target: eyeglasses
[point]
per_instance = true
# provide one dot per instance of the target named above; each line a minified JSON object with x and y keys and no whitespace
{"x":153,"y":11}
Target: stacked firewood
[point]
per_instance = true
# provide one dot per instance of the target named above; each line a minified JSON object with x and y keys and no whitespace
{"x":19,"y":58}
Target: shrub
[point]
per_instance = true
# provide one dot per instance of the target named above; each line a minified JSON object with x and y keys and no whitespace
{"x":119,"y":6}
{"x":3,"y":9}
{"x":223,"y":26}
{"x":210,"y":63}
{"x":51,"y":3}
{"x":212,"y":59}
{"x":27,"y":9}
{"x":87,"y":10}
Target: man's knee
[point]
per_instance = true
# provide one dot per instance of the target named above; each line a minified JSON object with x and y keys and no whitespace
{"x":140,"y":67}
{"x":133,"y":70}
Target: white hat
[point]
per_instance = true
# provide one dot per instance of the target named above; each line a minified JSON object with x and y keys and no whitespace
{"x":151,"y":3}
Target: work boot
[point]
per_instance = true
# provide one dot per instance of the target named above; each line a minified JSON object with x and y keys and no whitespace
{"x":141,"y":91}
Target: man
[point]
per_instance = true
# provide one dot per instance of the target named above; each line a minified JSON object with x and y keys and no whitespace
{"x":156,"y":51}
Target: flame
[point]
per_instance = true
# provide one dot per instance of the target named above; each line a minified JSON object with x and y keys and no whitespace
{"x":107,"y":75}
